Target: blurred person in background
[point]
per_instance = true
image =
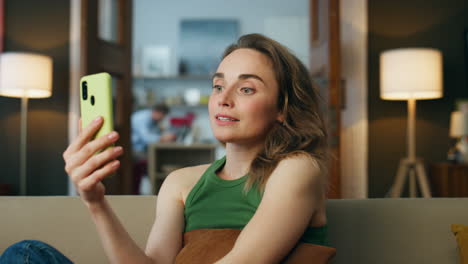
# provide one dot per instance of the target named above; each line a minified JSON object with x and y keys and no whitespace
{"x":147,"y":129}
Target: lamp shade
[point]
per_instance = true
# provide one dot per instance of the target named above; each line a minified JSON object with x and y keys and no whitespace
{"x":458,"y":124}
{"x":25,"y":75}
{"x":411,"y":73}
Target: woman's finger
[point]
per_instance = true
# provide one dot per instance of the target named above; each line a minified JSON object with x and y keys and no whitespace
{"x":85,"y":135}
{"x":80,"y":156}
{"x":89,"y":182}
{"x":89,"y":150}
{"x":101,"y":143}
{"x":96,"y":162}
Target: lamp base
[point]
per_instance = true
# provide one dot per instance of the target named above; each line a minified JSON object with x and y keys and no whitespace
{"x":414,"y":169}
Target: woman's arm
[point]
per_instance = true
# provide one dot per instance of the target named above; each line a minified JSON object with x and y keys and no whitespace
{"x":292,"y":195}
{"x":117,"y":243}
{"x":165,"y":239}
{"x":87,"y":169}
{"x":166,"y":236}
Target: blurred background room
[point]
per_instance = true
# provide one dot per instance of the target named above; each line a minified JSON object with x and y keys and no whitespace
{"x":161,"y":55}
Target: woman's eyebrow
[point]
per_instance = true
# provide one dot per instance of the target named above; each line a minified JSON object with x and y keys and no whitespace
{"x":218,"y":75}
{"x":241,"y":77}
{"x":248,"y":76}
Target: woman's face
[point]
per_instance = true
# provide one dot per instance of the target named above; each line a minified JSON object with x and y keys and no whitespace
{"x":243,"y":103}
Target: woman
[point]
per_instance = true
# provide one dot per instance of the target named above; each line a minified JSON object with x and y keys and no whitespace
{"x":264,"y":110}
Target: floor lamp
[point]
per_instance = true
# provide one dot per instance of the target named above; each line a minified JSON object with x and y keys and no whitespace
{"x":25,"y":75}
{"x":411,"y":74}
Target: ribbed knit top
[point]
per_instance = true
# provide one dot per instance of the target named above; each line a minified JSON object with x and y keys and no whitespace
{"x":217,"y":203}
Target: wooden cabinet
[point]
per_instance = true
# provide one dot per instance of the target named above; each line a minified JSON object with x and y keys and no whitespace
{"x":449,"y":180}
{"x":163,"y":158}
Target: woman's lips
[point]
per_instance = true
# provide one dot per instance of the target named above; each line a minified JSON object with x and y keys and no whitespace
{"x":225,"y":119}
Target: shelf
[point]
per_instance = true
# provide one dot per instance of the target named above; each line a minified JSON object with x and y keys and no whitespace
{"x":188,"y":106}
{"x":165,"y":157}
{"x":201,"y":107}
{"x":183,"y":146}
{"x":175,"y":77}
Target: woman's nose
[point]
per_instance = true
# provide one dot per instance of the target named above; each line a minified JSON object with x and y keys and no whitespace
{"x":225,"y":98}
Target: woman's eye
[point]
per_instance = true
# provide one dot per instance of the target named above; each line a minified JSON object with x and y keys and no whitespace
{"x":217,"y":87}
{"x":246,"y":90}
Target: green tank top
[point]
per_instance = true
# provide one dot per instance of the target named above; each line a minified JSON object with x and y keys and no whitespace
{"x":217,"y":203}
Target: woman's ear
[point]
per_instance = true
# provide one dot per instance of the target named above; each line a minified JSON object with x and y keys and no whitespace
{"x":280,"y":118}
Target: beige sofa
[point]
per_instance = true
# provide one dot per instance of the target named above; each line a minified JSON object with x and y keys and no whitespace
{"x":363,"y":231}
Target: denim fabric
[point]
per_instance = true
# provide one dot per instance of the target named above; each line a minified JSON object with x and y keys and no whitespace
{"x":34,"y":252}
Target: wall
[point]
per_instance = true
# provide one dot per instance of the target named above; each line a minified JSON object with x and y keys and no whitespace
{"x":353,"y":33}
{"x":157,"y":22}
{"x":42,"y":27}
{"x":418,"y":23}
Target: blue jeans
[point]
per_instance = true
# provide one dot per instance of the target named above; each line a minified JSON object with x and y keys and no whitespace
{"x":34,"y":252}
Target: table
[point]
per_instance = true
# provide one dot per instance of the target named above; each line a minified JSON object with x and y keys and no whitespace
{"x":163,"y":158}
{"x":449,"y":179}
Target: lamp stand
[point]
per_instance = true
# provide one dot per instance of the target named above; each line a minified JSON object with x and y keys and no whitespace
{"x":411,"y":166}
{"x":24,"y":131}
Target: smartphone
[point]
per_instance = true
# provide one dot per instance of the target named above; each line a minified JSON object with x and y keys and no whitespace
{"x":96,"y":100}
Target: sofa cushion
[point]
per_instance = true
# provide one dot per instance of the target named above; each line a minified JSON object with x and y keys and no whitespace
{"x":64,"y":223}
{"x":400,"y":230}
{"x":384,"y":231}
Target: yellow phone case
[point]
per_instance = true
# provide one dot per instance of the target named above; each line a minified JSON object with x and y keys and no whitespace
{"x":96,"y":100}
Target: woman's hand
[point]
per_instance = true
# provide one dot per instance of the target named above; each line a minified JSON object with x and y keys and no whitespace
{"x":86,"y":169}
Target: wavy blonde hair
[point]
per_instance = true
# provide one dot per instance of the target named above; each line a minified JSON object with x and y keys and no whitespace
{"x":303,"y":130}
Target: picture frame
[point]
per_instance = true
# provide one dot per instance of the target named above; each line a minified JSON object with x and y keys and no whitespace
{"x":202,"y":42}
{"x":155,"y":61}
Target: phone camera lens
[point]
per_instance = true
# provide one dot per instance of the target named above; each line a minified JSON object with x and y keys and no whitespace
{"x":92,"y":100}
{"x":84,"y":90}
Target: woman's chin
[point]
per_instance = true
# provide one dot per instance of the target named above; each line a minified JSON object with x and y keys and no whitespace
{"x":237,"y":140}
{"x":224,"y":138}
{"x":228,"y":137}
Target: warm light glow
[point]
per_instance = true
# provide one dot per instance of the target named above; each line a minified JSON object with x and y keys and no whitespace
{"x":458,"y":124}
{"x":25,"y":74}
{"x":412,"y":73}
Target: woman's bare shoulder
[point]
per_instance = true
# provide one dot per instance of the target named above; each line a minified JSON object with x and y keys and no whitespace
{"x":308,"y":178}
{"x":184,"y":179}
{"x":189,"y":174}
{"x":300,"y":161}
{"x":300,"y":171}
